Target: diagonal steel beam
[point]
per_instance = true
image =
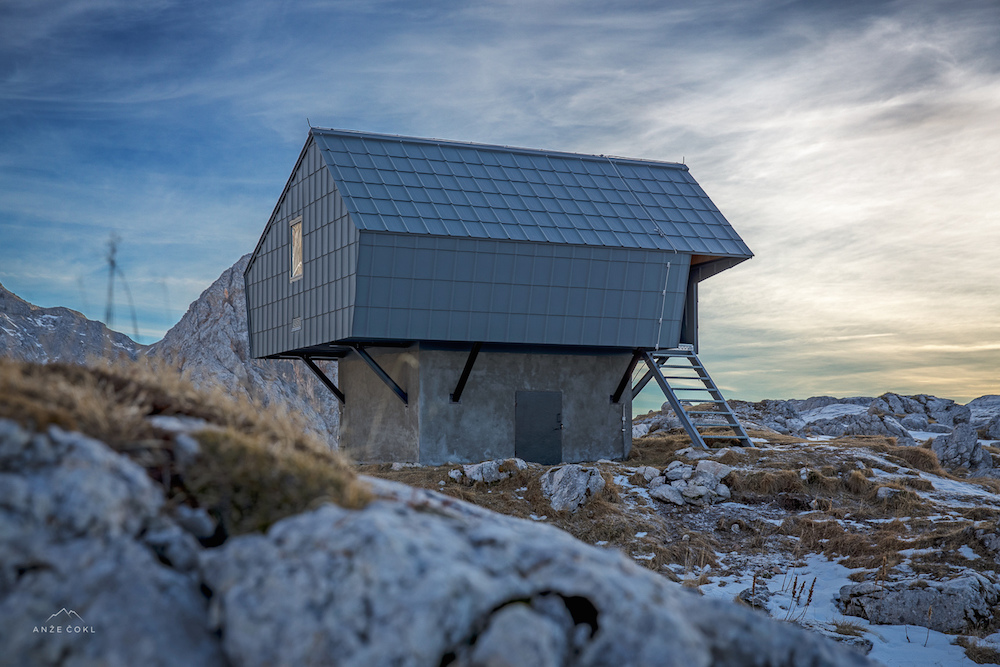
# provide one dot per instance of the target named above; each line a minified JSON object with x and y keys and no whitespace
{"x":641,"y":384}
{"x":318,"y":372}
{"x":623,"y":385}
{"x":456,"y":395}
{"x":382,"y":375}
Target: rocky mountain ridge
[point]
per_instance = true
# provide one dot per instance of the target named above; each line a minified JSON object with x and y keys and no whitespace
{"x":209,"y":343}
{"x":32,"y":333}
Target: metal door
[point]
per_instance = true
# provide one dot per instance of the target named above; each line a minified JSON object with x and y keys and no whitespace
{"x":538,"y":426}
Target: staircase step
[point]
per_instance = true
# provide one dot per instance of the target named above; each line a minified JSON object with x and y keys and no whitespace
{"x":727,"y":419}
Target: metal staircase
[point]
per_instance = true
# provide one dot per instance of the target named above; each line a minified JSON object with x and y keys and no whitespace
{"x":686,"y":374}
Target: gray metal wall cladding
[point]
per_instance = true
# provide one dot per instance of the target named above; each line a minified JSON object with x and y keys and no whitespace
{"x":323,"y":297}
{"x":416,"y":287}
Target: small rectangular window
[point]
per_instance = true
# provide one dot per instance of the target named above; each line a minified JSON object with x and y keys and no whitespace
{"x":296,"y":248}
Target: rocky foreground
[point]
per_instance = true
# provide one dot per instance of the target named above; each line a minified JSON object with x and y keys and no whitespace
{"x":98,"y":568}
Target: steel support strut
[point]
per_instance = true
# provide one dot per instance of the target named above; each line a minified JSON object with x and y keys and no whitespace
{"x":623,"y":385}
{"x":456,"y":395}
{"x":318,"y":372}
{"x":382,"y":375}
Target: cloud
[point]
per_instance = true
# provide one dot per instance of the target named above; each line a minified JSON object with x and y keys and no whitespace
{"x":853,"y":145}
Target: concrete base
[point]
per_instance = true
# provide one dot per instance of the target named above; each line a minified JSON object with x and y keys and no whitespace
{"x":376,"y":426}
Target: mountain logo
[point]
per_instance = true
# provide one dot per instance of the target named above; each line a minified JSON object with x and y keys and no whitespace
{"x":65,"y":621}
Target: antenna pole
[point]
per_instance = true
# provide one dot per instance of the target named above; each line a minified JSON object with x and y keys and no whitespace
{"x":109,"y":313}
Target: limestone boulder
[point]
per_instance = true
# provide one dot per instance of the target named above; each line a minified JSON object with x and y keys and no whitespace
{"x":961,"y":449}
{"x":648,"y":472}
{"x":984,"y":409}
{"x":861,"y":424}
{"x":82,"y":530}
{"x":992,"y":429}
{"x":695,"y":485}
{"x":678,"y":470}
{"x":710,"y":473}
{"x":474,"y":588}
{"x":639,"y":430}
{"x":956,"y":606}
{"x":916,"y":422}
{"x":569,"y":487}
{"x":667,"y":494}
{"x":491,"y":471}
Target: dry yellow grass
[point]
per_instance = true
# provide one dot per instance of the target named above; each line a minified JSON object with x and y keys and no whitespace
{"x":603,"y":521}
{"x":980,"y":654}
{"x":257,"y":465}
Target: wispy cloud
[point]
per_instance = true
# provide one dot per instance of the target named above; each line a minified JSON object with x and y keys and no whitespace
{"x":853,"y":145}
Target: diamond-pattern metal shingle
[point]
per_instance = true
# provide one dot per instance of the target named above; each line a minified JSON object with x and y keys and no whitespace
{"x":443,"y":188}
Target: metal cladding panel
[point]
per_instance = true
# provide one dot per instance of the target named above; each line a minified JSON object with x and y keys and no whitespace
{"x":321,"y":301}
{"x":422,"y":186}
{"x":450,"y":289}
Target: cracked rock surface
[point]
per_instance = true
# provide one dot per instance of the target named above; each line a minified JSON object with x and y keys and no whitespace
{"x":450,"y":583}
{"x":414,"y":578}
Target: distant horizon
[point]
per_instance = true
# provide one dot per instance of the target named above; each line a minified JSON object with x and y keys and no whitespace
{"x":650,"y":399}
{"x":853,"y":146}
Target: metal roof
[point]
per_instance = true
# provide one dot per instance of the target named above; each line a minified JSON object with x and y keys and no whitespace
{"x":445,"y":188}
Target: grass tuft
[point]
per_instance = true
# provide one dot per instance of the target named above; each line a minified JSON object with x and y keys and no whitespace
{"x":981,"y":654}
{"x":256,"y":464}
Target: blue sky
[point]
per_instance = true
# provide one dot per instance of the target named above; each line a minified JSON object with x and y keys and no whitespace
{"x":854,"y":145}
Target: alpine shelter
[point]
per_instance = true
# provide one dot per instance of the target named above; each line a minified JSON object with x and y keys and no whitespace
{"x":487,"y":301}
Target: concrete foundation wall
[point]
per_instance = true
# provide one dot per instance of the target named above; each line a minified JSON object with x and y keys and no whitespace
{"x":432,"y":430}
{"x":374,"y":423}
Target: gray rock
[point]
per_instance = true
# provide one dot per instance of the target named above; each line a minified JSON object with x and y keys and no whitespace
{"x":914,"y":422}
{"x":695,"y":492}
{"x":331,"y":582}
{"x":195,"y":521}
{"x":984,"y":409}
{"x":186,"y":450}
{"x":80,"y":530}
{"x":172,"y":544}
{"x":639,"y":430}
{"x":74,"y":485}
{"x":756,"y":597}
{"x":710,"y":473}
{"x":990,"y":539}
{"x":667,"y":494}
{"x":571,"y":486}
{"x":956,"y":606}
{"x":677,"y":470}
{"x":887,"y":404}
{"x":664,"y":420}
{"x":886,"y":493}
{"x":992,"y":429}
{"x":861,"y":424}
{"x":493,"y":471}
{"x":546,"y":644}
{"x":938,"y":428}
{"x":961,"y":449}
{"x":140,"y":612}
{"x":657,"y":481}
{"x":211,"y":345}
{"x":648,"y":472}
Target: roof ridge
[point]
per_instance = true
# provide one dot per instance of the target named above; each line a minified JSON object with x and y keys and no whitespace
{"x":497,"y":147}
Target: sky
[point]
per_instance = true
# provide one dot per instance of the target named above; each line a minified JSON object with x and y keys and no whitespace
{"x":855,"y":146}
